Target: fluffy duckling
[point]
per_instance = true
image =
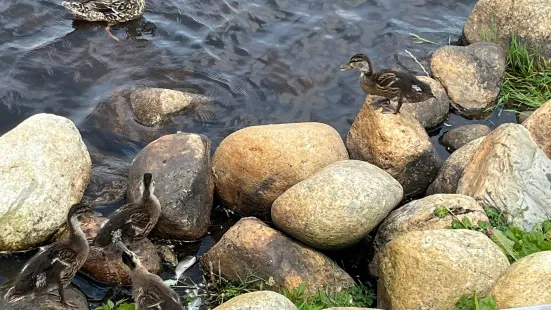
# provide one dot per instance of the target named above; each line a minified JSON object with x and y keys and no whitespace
{"x":133,"y":221}
{"x":388,"y":83}
{"x":55,"y":265}
{"x":148,"y":290}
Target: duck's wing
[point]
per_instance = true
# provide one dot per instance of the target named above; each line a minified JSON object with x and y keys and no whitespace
{"x":109,"y":8}
{"x":387,"y":81}
{"x":157,"y":296}
{"x":411,"y":85}
{"x":124,"y":225}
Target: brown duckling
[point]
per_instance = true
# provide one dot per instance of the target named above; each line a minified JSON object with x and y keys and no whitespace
{"x":388,"y":83}
{"x":133,"y":221}
{"x":148,"y":290}
{"x":55,"y":265}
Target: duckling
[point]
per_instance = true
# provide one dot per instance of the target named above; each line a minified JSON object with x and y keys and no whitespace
{"x":55,"y":266}
{"x":388,"y":83}
{"x":133,"y":221}
{"x":110,"y":11}
{"x":148,"y":290}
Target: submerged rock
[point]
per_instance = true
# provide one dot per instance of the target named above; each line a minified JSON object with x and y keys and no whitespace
{"x":460,"y":136}
{"x":47,"y":301}
{"x":337,"y":206}
{"x":261,"y":300}
{"x":432,"y":112}
{"x":509,"y":172}
{"x":471,"y":74}
{"x":432,"y":269}
{"x":397,"y":144}
{"x":252,"y":248}
{"x":181,"y":169}
{"x":44,"y":169}
{"x":255,"y":165}
{"x":525,"y":283}
{"x":539,"y":126}
{"x":108,"y":182}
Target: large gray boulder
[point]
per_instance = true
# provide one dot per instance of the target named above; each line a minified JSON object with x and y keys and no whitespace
{"x":261,"y":300}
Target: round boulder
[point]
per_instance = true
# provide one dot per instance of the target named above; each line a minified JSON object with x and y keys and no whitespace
{"x":432,"y":269}
{"x":48,"y":301}
{"x":44,"y":169}
{"x":255,"y":165}
{"x":261,"y":300}
{"x":525,"y":283}
{"x":539,"y":126}
{"x":432,"y":112}
{"x":459,"y":136}
{"x":181,"y":168}
{"x":337,"y":206}
{"x":471,"y":74}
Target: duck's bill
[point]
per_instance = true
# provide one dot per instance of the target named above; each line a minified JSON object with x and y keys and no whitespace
{"x":346,"y":67}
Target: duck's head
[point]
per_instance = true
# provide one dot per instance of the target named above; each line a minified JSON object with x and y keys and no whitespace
{"x":147,"y":185}
{"x":359,"y":62}
{"x":130,"y":259}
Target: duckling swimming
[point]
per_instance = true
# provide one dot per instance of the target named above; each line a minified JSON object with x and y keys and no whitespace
{"x":55,"y":266}
{"x":388,"y":83}
{"x":133,"y":221}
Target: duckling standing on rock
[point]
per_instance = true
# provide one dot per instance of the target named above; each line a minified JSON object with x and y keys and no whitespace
{"x":388,"y":83}
{"x":110,"y":11}
{"x":148,"y":290}
{"x":133,"y":221}
{"x":55,"y":266}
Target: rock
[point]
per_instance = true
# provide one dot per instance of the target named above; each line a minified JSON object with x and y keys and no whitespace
{"x":337,"y":206}
{"x":432,"y":112}
{"x":167,"y":255}
{"x":397,"y":144}
{"x":110,"y":269}
{"x":427,"y":269}
{"x":44,"y":169}
{"x":90,"y":225}
{"x":251,"y":247}
{"x":498,"y":20}
{"x":420,"y":215}
{"x":48,"y":302}
{"x":509,"y":173}
{"x":154,"y":105}
{"x":525,"y":283}
{"x":254,"y":165}
{"x":523,"y":116}
{"x":459,"y":136}
{"x":181,"y":168}
{"x":450,"y":173}
{"x":108,"y":182}
{"x":471,"y":74}
{"x":260,"y":300}
{"x":539,"y":126}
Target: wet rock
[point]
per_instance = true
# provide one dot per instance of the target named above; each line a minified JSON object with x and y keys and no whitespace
{"x":109,"y":269}
{"x":450,"y":173}
{"x":471,"y":74}
{"x":539,"y":126}
{"x":397,"y":144}
{"x":525,"y":283}
{"x":427,"y":269}
{"x":523,"y":116}
{"x":255,"y":165}
{"x":432,"y":112}
{"x":44,"y":169}
{"x":90,"y":225}
{"x":498,"y":20}
{"x":261,"y":300}
{"x":108,"y":182}
{"x":154,"y":105}
{"x":420,"y":215}
{"x":459,"y":136}
{"x":47,"y":301}
{"x":167,"y":255}
{"x":251,"y":247}
{"x":337,"y":206}
{"x":509,"y":173}
{"x":181,"y":168}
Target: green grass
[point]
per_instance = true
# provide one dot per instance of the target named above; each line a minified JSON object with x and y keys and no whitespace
{"x":119,"y":305}
{"x":475,"y":303}
{"x":357,"y":296}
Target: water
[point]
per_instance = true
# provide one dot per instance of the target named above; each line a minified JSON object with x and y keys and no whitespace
{"x":264,"y":61}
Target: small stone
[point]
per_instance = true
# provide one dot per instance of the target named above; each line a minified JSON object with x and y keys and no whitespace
{"x":471,"y":75}
{"x":167,"y":255}
{"x":260,"y":300}
{"x":432,"y":112}
{"x":432,"y":269}
{"x":525,"y":283}
{"x":337,"y":206}
{"x":539,"y":126}
{"x":459,"y":136}
{"x":398,"y":144}
{"x":509,"y":173}
{"x":47,"y":301}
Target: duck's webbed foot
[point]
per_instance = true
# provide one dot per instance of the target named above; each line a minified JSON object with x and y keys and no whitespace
{"x":108,"y":30}
{"x":64,"y":300}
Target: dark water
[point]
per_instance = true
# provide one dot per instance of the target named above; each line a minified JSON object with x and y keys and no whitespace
{"x":264,"y":61}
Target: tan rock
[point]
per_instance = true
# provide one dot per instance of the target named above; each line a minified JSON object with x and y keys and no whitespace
{"x":471,"y":75}
{"x":510,"y":173}
{"x":450,"y":173}
{"x":337,"y":206}
{"x":432,"y":269}
{"x":255,"y":165}
{"x":261,"y":300}
{"x":525,"y":283}
{"x":397,"y":144}
{"x":251,"y":247}
{"x":432,"y":112}
{"x":539,"y":126}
